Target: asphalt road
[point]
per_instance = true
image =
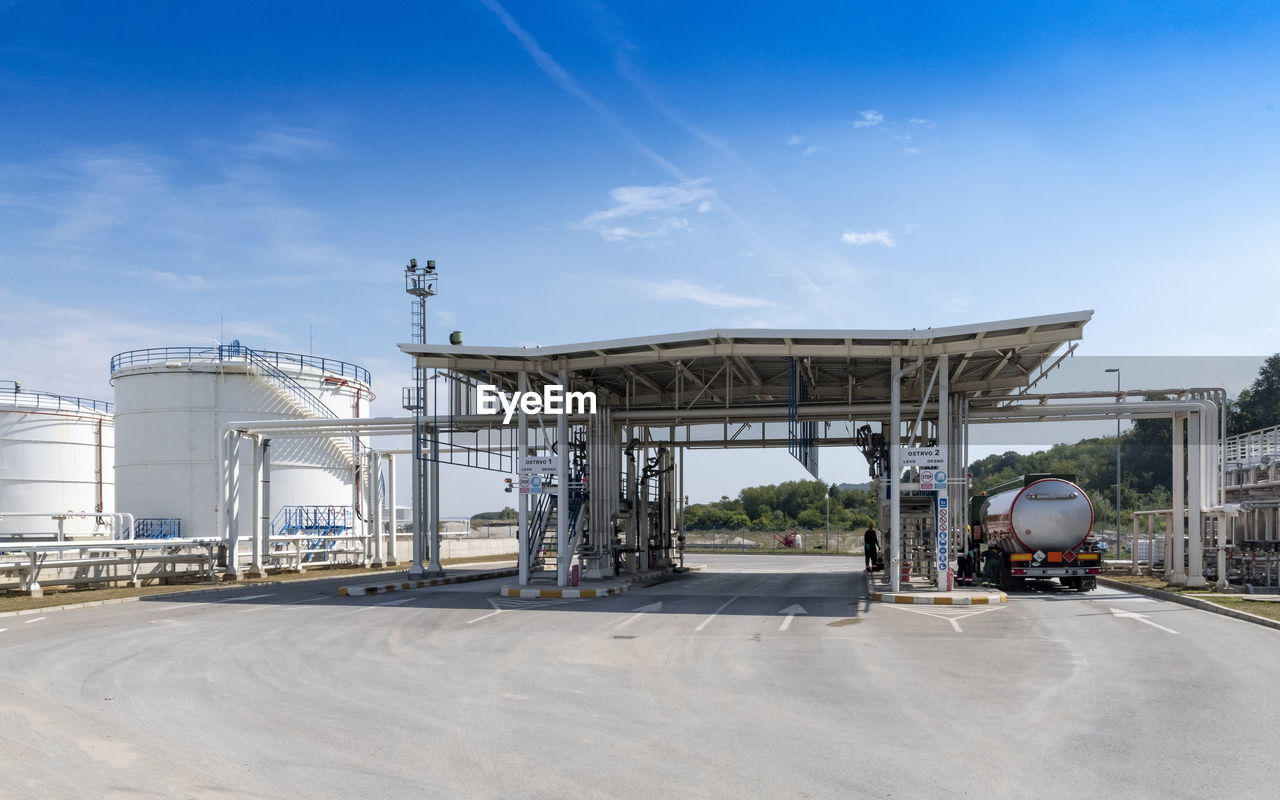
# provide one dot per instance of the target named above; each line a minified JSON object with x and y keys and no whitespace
{"x":762,"y":677}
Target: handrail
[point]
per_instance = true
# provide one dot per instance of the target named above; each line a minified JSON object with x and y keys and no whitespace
{"x":301,"y":392}
{"x":159,"y":355}
{"x":12,"y":391}
{"x":311,"y":518}
{"x":157,"y":528}
{"x":1252,"y":448}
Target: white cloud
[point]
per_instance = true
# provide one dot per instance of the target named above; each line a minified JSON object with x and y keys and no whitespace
{"x":646,"y":212}
{"x":924,"y":123}
{"x":911,"y":151}
{"x":680,"y":289}
{"x":179,"y":283}
{"x":813,"y":150}
{"x":869,"y":237}
{"x":100,"y":208}
{"x":870,"y":119}
{"x":289,"y":144}
{"x":66,"y":349}
{"x":795,"y":140}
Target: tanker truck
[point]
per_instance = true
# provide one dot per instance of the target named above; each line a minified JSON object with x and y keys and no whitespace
{"x":1041,"y":529}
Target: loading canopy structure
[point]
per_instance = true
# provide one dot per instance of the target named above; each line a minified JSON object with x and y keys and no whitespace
{"x":711,"y":389}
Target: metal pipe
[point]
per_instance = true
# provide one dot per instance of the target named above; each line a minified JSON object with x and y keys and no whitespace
{"x":894,"y":440}
{"x":265,"y":532}
{"x":392,"y":557}
{"x":563,"y":553}
{"x":1173,"y":566}
{"x":522,"y":529}
{"x":942,"y":544}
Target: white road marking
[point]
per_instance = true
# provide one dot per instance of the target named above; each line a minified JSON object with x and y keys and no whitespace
{"x":2,"y":630}
{"x":952,"y":615}
{"x":250,"y":597}
{"x":493,"y":613}
{"x":399,"y":602}
{"x":264,"y":606}
{"x":37,"y":619}
{"x":640,"y":612}
{"x":1140,"y":618}
{"x":791,"y":612}
{"x":707,"y":621}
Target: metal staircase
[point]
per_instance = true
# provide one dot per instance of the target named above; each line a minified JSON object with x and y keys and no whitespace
{"x":156,"y":528}
{"x":299,"y":397}
{"x":543,"y":522}
{"x":322,"y":523}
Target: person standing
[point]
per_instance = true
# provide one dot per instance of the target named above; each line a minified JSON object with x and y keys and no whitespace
{"x":991,"y":564}
{"x":871,"y":543}
{"x":965,"y":564}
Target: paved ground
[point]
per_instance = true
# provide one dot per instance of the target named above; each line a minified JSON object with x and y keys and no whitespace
{"x":725,"y":689}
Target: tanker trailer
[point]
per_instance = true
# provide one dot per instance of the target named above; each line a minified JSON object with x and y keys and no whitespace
{"x":1042,"y":531}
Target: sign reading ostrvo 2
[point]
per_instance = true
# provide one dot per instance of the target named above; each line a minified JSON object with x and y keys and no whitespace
{"x":924,"y":456}
{"x":553,"y":400}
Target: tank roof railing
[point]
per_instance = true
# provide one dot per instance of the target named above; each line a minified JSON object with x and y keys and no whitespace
{"x":238,"y":352}
{"x":12,"y":392}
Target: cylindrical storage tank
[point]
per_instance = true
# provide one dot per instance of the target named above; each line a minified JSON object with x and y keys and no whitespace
{"x":173,"y":403}
{"x":55,"y":458}
{"x":1050,"y":514}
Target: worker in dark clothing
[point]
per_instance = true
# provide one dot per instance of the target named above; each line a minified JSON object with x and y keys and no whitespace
{"x":872,"y":544}
{"x":964,"y":564}
{"x":991,"y":562}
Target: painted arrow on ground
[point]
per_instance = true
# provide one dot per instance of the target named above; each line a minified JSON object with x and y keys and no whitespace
{"x":1140,"y":618}
{"x":640,"y":612}
{"x":791,"y":612}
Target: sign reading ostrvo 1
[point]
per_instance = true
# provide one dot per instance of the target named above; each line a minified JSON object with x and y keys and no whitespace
{"x":535,"y":465}
{"x":924,"y":456}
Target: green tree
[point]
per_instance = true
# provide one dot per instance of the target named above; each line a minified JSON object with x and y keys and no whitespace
{"x":1259,"y":405}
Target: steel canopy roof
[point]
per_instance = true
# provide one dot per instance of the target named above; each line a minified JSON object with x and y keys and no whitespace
{"x":747,"y":367}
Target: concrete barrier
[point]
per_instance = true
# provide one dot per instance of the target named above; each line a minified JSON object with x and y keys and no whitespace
{"x":460,"y":548}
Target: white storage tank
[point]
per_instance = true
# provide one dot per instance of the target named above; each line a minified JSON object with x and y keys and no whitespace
{"x":55,"y":457}
{"x":172,"y":403}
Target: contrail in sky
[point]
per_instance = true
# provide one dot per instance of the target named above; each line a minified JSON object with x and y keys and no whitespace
{"x":561,"y":76}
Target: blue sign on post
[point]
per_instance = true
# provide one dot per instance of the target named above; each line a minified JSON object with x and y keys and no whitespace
{"x":535,"y":484}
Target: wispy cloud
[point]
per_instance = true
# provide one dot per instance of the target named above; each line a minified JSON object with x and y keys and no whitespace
{"x":179,"y":283}
{"x":869,"y":237}
{"x":813,"y":150}
{"x":289,"y":144}
{"x":870,"y":119}
{"x":795,"y":140}
{"x":647,"y":212}
{"x":923,"y":123}
{"x":678,"y":289}
{"x":562,"y":77}
{"x":911,"y":151}
{"x":85,"y":337}
{"x":817,"y":297}
{"x":94,"y":207}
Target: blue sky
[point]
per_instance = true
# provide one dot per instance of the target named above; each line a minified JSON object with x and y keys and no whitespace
{"x":169,"y":171}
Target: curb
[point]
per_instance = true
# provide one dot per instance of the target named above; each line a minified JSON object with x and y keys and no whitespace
{"x":580,"y":593}
{"x":568,"y":593}
{"x":1192,"y":602}
{"x":381,"y":588}
{"x":939,"y":600}
{"x":209,"y":590}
